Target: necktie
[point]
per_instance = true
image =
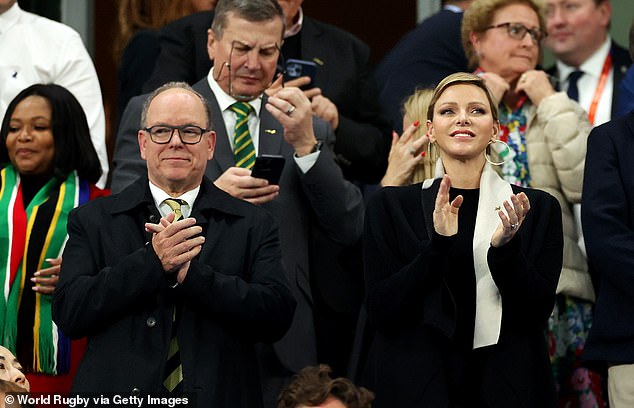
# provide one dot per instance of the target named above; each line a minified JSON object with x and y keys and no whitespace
{"x":173,"y":367}
{"x":243,"y":148}
{"x":573,"y":91}
{"x":175,"y":205}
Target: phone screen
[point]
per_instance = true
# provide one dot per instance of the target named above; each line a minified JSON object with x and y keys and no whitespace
{"x":296,"y":68}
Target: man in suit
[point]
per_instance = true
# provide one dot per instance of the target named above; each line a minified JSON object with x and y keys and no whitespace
{"x":312,"y":194}
{"x":590,"y":65}
{"x":422,"y":58}
{"x":345,"y":94}
{"x":173,"y":281}
{"x":608,"y":225}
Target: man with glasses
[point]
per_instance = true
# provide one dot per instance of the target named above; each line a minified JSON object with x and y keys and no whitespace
{"x":589,"y":64}
{"x":172,"y":280}
{"x":312,"y":194}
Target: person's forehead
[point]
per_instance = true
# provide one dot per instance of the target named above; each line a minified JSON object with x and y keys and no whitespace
{"x":174,"y":102}
{"x":264,"y":32}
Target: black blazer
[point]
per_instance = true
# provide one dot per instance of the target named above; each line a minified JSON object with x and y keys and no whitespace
{"x":411,"y":305}
{"x":607,"y":215}
{"x":114,"y":291}
{"x":343,"y":74}
{"x":423,"y":57}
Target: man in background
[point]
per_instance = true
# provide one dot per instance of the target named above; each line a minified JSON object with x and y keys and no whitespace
{"x":590,"y":65}
{"x":422,"y":58}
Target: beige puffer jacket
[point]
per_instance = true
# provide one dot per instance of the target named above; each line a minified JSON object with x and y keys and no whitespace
{"x":556,"y":138}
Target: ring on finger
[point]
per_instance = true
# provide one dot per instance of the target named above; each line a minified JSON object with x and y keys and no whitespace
{"x":290,"y":110}
{"x":514,"y":226}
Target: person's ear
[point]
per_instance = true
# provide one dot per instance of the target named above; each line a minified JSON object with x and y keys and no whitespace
{"x":430,"y":131}
{"x":211,"y":44}
{"x":475,"y":39}
{"x":496,"y":130}
{"x":605,"y":12}
{"x":211,"y":144}
{"x":142,"y":136}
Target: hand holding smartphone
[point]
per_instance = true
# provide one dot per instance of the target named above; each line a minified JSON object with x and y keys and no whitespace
{"x":296,"y":68}
{"x":269,"y":167}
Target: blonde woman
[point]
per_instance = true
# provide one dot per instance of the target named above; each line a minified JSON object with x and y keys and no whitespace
{"x":461,"y":272}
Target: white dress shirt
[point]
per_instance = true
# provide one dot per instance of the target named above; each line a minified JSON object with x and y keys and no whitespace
{"x":34,"y":49}
{"x":587,"y":83}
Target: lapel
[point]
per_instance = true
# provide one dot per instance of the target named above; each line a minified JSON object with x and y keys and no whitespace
{"x":428,"y":202}
{"x":620,"y":63}
{"x":223,"y":155}
{"x":271,"y":132}
{"x":313,"y":50}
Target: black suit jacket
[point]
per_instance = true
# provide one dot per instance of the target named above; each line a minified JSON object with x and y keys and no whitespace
{"x":607,"y":215}
{"x":183,"y":55}
{"x":621,"y":61}
{"x":319,"y":200}
{"x":343,"y":74}
{"x":421,"y":59}
{"x":411,"y":306}
{"x":114,"y":291}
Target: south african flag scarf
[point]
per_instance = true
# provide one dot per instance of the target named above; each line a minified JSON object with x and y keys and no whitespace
{"x":29,"y":236}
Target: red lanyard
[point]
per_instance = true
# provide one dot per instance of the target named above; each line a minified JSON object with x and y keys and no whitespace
{"x":603,"y":79}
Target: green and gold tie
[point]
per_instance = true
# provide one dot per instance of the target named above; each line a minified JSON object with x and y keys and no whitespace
{"x":174,"y":367}
{"x":243,"y":148}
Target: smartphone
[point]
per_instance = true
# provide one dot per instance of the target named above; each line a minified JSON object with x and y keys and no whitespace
{"x":296,"y":68}
{"x":269,"y":167}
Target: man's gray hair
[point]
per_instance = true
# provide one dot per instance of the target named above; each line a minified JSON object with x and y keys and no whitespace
{"x":251,"y":10}
{"x":174,"y":85}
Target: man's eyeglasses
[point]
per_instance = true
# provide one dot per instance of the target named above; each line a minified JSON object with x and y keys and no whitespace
{"x":517,"y":31}
{"x":189,"y":134}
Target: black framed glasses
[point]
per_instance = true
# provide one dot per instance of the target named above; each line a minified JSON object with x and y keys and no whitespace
{"x":189,"y":134}
{"x":517,"y":31}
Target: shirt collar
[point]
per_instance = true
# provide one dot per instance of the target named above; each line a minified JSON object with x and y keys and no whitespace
{"x":159,"y":196}
{"x":10,"y":17}
{"x":453,"y":7}
{"x":295,"y":28}
{"x":592,"y":66}
{"x":225,"y":100}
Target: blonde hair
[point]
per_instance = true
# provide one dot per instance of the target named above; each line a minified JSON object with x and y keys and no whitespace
{"x":134,"y":15}
{"x":415,"y":108}
{"x":479,"y":16}
{"x":461,"y":78}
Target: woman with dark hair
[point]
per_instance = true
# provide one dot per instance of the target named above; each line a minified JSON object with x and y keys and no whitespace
{"x":48,"y":167}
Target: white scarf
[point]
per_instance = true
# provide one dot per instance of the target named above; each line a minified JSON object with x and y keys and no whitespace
{"x":493,"y":192}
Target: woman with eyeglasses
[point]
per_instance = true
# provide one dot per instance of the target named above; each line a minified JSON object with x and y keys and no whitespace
{"x":48,"y":166}
{"x":545,"y":135}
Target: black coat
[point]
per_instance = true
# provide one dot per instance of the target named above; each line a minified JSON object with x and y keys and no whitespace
{"x":114,"y":291}
{"x":607,"y":215}
{"x":410,"y":303}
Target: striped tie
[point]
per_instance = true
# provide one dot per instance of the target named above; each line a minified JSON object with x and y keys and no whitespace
{"x":243,"y":148}
{"x":174,"y":367}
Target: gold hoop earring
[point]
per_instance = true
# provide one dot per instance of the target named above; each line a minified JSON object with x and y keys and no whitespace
{"x":486,"y":157}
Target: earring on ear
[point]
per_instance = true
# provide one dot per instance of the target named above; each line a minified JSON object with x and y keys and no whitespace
{"x":501,"y":155}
